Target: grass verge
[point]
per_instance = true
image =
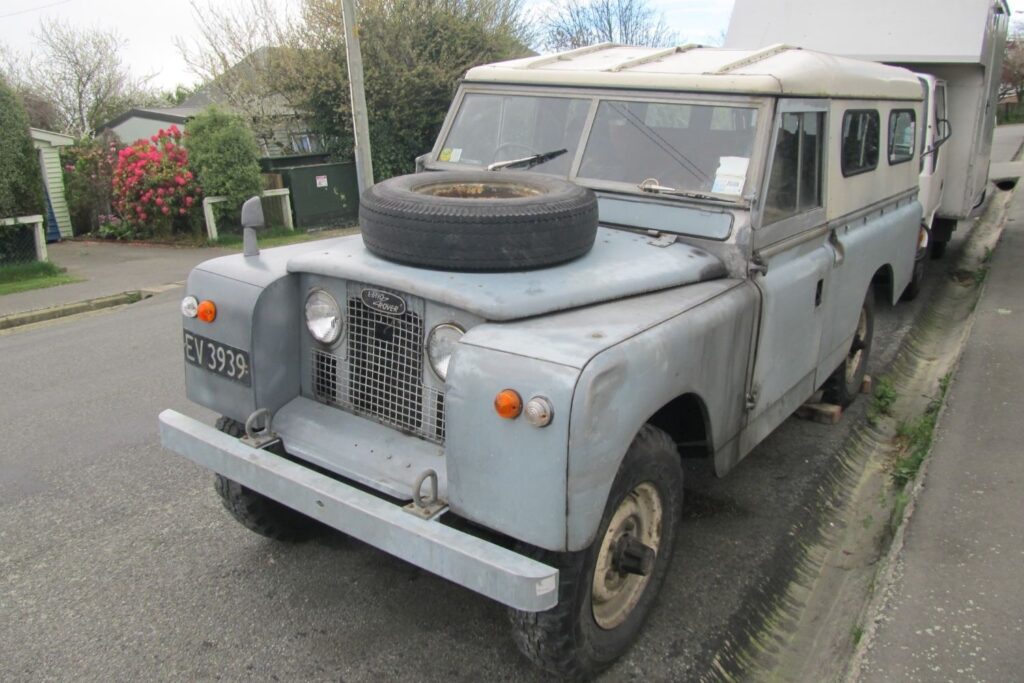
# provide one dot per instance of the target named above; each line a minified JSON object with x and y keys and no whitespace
{"x":22,"y":277}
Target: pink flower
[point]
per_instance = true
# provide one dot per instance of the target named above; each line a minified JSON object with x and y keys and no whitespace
{"x":165,"y":210}
{"x":189,"y":201}
{"x":180,"y":180}
{"x":182,"y":212}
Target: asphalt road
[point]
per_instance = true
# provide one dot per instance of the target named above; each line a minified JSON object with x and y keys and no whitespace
{"x":117,"y":561}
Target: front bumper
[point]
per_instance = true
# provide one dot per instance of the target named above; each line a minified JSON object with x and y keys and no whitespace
{"x":498,"y":573}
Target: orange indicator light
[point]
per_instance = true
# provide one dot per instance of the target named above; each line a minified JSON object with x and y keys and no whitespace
{"x":206,"y":312}
{"x":508,"y":404}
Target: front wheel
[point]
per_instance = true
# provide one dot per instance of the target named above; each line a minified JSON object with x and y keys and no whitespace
{"x":606,"y":591}
{"x":844,"y":384}
{"x":255,"y":511}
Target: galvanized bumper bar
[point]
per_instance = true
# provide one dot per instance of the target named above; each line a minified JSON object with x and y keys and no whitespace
{"x":489,"y":569}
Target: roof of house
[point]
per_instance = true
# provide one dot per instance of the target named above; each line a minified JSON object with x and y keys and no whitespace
{"x":51,"y":138}
{"x":775,"y":70}
{"x":179,"y":114}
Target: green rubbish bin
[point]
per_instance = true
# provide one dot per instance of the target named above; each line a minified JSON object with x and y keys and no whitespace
{"x":322,"y":194}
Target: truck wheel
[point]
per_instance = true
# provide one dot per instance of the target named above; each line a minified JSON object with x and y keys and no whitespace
{"x":606,"y":591}
{"x":255,"y":511}
{"x":844,"y":384}
{"x":917,"y":278}
{"x":478,"y":220}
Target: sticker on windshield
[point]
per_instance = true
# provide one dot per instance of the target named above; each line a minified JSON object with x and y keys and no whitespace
{"x":732,"y":171}
{"x":446,"y":154}
{"x":456,"y":154}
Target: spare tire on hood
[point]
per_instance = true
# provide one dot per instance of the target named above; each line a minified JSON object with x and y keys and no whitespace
{"x":478,"y":220}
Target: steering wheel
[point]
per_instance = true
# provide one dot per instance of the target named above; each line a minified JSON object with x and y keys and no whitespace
{"x":529,"y":150}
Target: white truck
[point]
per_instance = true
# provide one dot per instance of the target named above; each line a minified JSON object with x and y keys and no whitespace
{"x":955,"y":46}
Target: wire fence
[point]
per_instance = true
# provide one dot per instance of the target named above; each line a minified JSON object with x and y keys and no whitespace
{"x":17,"y":244}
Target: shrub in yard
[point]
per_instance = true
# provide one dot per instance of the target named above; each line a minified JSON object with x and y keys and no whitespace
{"x":88,"y":177}
{"x":223,"y":152}
{"x":21,"y":184}
{"x":154,"y":191}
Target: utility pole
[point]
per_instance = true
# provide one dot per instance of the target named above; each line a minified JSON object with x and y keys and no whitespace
{"x":360,"y":124}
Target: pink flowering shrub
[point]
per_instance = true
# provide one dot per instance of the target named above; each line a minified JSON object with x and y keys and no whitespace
{"x":154,"y":191}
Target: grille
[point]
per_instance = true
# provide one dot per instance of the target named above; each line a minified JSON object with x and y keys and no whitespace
{"x":382,"y":376}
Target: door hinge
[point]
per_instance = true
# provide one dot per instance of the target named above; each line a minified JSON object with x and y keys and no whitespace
{"x":752,"y":397}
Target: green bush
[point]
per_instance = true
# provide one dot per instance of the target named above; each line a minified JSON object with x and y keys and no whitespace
{"x":20,"y":180}
{"x":88,"y":177}
{"x":222,"y":152}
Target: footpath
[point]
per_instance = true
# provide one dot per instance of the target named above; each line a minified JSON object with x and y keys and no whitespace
{"x":954,"y":609}
{"x":109,"y":274}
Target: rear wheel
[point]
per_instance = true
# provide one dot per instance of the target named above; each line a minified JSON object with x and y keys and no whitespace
{"x":844,"y":384}
{"x":606,"y":591}
{"x":917,"y":278}
{"x":255,"y":511}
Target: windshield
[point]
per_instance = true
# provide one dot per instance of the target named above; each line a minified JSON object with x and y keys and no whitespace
{"x":668,"y":148}
{"x":494,"y":128}
{"x":686,"y":147}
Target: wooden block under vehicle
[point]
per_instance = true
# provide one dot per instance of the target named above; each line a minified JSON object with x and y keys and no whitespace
{"x":866,"y":385}
{"x":825,"y":413}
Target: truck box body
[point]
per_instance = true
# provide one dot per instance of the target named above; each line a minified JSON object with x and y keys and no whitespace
{"x":959,"y":41}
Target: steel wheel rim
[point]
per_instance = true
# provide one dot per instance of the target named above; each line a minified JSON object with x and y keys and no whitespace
{"x":857,"y":352}
{"x":614,"y":595}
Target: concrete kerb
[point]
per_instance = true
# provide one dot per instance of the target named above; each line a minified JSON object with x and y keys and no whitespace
{"x":64,"y":310}
{"x":889,"y":563}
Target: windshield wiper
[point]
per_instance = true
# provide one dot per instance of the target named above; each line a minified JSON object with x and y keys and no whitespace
{"x":651,"y":185}
{"x":527,"y":162}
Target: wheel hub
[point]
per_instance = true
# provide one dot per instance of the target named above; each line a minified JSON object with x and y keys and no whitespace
{"x":626,"y":559}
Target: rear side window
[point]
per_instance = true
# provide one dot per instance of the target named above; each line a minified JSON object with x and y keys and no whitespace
{"x":860,"y":141}
{"x":795,"y":183}
{"x":902,"y":135}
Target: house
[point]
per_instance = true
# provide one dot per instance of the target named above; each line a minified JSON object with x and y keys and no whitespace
{"x":280,"y":129}
{"x":48,"y":144}
{"x":145,"y":122}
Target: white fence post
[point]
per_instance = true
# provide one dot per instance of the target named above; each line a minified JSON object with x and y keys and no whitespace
{"x":286,"y":200}
{"x":211,"y":220}
{"x":38,"y":231}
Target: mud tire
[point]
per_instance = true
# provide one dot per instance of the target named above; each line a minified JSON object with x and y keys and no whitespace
{"x":567,"y":640}
{"x":478,"y":220}
{"x":842,"y":387}
{"x":255,"y":511}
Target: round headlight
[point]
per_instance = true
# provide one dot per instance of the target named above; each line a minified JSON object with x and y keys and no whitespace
{"x":440,"y":345}
{"x":323,"y":317}
{"x":189,"y":306}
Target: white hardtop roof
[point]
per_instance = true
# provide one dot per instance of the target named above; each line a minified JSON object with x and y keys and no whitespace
{"x":901,"y":31}
{"x":775,"y":70}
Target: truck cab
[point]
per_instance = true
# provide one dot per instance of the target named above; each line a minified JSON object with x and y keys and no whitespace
{"x":614,"y":258}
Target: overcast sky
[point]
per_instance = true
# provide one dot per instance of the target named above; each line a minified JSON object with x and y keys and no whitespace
{"x":150,"y":28}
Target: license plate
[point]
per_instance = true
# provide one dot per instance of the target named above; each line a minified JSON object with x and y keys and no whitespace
{"x":218,"y":358}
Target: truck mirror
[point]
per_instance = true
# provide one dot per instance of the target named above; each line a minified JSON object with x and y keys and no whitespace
{"x":252,"y":214}
{"x":945,"y":132}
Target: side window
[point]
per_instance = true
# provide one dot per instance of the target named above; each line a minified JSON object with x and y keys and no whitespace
{"x":795,"y":183}
{"x":902,"y":135}
{"x":860,"y":142}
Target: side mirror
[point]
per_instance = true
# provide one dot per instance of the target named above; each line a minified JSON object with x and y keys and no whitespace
{"x":945,"y":132}
{"x":252,"y":220}
{"x":252,"y":214}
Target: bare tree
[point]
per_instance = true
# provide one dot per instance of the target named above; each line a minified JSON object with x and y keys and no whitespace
{"x":575,"y":23}
{"x":240,"y":58}
{"x":80,"y":73}
{"x":1012,"y":82}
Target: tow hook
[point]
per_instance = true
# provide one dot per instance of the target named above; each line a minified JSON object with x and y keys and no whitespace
{"x":428,"y":506}
{"x":633,"y":557}
{"x":257,"y":430}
